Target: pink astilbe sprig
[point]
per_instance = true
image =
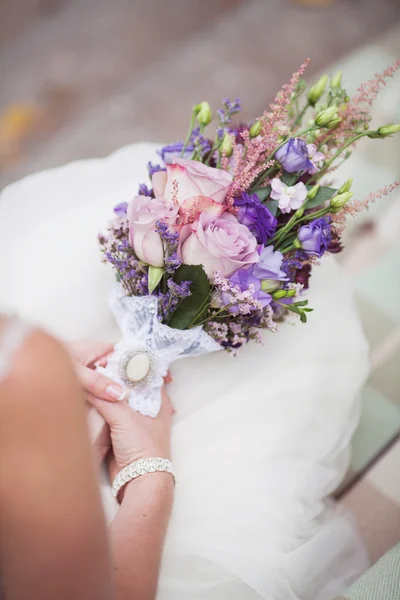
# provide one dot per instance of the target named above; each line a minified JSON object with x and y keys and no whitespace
{"x":253,"y":157}
{"x":357,"y":110}
{"x":249,"y":163}
{"x":356,"y":113}
{"x":277,"y":116}
{"x":356,"y":206}
{"x":368,"y":91}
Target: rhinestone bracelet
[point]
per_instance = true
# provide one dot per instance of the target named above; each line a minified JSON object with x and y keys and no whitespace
{"x":141,"y":467}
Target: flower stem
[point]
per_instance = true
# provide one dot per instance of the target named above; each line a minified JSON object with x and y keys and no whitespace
{"x":191,"y":127}
{"x":211,"y":317}
{"x":338,"y":153}
{"x":300,"y":116}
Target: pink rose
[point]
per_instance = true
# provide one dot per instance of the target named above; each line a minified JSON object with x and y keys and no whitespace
{"x":219,"y":244}
{"x":143,"y":212}
{"x":188,"y":178}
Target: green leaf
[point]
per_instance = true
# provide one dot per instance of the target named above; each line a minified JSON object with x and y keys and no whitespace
{"x":289,"y":178}
{"x":155,"y":274}
{"x":301,"y":303}
{"x":190,"y":307}
{"x":263,"y":192}
{"x":273,"y":206}
{"x":303,"y":317}
{"x":324,"y":194}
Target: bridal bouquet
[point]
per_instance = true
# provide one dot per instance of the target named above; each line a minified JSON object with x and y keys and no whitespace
{"x":222,"y":241}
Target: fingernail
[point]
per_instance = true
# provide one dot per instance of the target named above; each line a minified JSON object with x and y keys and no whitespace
{"x":115,"y":392}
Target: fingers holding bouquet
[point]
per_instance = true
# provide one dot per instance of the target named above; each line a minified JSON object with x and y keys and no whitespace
{"x":87,"y":356}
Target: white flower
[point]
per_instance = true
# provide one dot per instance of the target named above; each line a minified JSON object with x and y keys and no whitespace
{"x":289,"y":197}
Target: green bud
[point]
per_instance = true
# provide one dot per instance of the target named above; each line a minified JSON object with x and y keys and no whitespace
{"x":313,"y":192}
{"x":387,"y":130}
{"x":299,"y":213}
{"x":155,"y":274}
{"x":255,"y":129}
{"x":291,"y":293}
{"x":346,"y":187}
{"x":333,"y":123}
{"x":227,"y":144}
{"x":203,"y":112}
{"x":340,"y":200}
{"x":337,"y":80}
{"x":328,"y":118}
{"x":366,"y":126}
{"x":316,"y":91}
{"x":269,"y":285}
{"x":279,"y":294}
{"x":297,"y":243}
{"x":374,"y":135}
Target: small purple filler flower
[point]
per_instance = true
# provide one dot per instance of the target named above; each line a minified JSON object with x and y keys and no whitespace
{"x":316,"y":236}
{"x":294,"y":156}
{"x":121,"y":209}
{"x":243,"y":278}
{"x":257,"y":217}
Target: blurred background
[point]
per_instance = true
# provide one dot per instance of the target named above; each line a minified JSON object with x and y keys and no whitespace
{"x":80,"y":78}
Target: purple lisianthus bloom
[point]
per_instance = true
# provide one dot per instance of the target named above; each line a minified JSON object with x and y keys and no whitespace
{"x":171,"y":151}
{"x":121,"y":209}
{"x":270,"y":265}
{"x":257,"y":217}
{"x":197,"y":142}
{"x":294,"y":156}
{"x":316,"y":236}
{"x":243,"y":278}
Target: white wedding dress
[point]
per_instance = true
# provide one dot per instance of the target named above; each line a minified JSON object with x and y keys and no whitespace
{"x":259,"y":441}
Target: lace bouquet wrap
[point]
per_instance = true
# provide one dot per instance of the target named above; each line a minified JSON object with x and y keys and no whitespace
{"x":141,"y":359}
{"x":222,"y":242}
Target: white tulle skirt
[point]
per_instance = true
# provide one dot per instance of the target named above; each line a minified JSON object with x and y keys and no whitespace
{"x":259,"y":441}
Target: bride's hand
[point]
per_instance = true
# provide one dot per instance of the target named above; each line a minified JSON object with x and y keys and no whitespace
{"x":134,"y":436}
{"x":88,"y":355}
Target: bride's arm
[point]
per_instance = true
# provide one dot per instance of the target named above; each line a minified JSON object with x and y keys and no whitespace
{"x":53,"y":540}
{"x":139,"y":528}
{"x":138,"y":533}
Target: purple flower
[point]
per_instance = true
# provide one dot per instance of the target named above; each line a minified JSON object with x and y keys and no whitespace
{"x":171,"y":151}
{"x":145,"y":191}
{"x":243,"y":278}
{"x":295,"y":156}
{"x":230,"y":108}
{"x":270,"y":265}
{"x":180,"y":290}
{"x":257,"y":217}
{"x":316,"y":236}
{"x":154,"y":168}
{"x":315,"y":157}
{"x":197,"y":142}
{"x":172,"y":262}
{"x":121,"y":209}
